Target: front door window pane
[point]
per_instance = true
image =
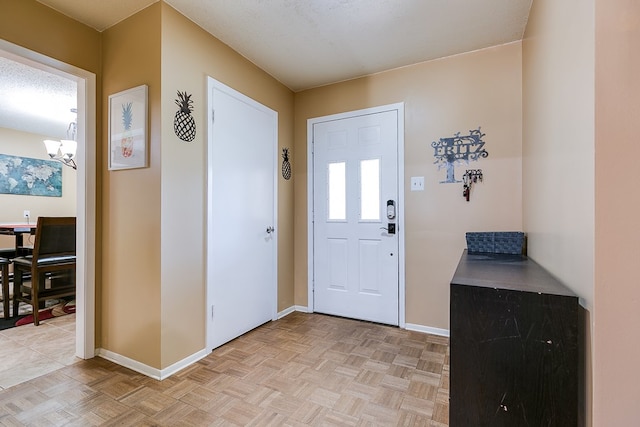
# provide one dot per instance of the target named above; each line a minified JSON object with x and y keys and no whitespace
{"x":370,"y":190}
{"x":337,"y":194}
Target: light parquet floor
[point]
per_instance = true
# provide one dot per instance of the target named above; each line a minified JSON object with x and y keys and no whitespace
{"x":304,"y":369}
{"x":29,"y":351}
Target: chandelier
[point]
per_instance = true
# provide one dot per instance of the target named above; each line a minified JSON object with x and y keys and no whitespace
{"x":64,"y":150}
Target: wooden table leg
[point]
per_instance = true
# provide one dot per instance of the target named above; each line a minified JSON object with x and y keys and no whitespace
{"x":4,"y":265}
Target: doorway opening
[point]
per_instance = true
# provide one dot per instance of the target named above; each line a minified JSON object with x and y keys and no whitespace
{"x":86,"y":186}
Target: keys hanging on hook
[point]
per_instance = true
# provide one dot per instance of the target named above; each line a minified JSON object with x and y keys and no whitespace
{"x":466,"y":179}
{"x":470,"y":177}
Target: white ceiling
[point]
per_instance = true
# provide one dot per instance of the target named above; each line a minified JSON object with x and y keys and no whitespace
{"x":35,"y":100}
{"x":309,"y":43}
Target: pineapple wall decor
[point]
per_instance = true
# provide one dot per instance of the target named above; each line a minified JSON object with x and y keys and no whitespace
{"x":128,"y":129}
{"x":286,"y":166}
{"x":126,"y":142}
{"x":184,"y":125}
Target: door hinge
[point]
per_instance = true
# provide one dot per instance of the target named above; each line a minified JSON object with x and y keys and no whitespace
{"x":213,"y":116}
{"x":212,"y":310}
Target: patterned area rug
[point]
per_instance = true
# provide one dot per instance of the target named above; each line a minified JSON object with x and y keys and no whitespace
{"x":54,"y":308}
{"x":57,"y":310}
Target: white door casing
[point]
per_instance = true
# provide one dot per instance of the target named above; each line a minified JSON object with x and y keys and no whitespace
{"x":357,"y":266}
{"x":242,"y":194}
{"x":86,"y":188}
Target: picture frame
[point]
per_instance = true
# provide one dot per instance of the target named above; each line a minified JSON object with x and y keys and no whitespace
{"x":128,"y":111}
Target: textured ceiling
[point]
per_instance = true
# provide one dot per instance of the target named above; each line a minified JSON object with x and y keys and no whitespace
{"x":34,"y":100}
{"x":309,"y":43}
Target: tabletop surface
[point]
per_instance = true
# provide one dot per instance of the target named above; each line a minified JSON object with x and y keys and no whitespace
{"x":511,"y":272}
{"x":14,"y":228}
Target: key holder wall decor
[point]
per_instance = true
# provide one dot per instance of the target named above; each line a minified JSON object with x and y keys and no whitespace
{"x":457,"y":150}
{"x":470,"y":177}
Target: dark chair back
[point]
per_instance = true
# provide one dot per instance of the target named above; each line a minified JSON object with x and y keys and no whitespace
{"x":55,"y":236}
{"x":54,"y":257}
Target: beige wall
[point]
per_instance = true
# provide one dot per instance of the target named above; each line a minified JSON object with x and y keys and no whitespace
{"x":34,"y":26}
{"x":24,"y":144}
{"x":617,"y":277}
{"x":558,"y":150}
{"x":558,"y":141}
{"x":441,"y":97}
{"x":131,"y":200}
{"x":189,"y":55}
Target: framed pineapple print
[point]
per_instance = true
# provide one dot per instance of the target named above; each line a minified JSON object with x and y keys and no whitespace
{"x":128,"y":129}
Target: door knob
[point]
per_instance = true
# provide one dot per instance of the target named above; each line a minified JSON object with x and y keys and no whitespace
{"x":391,"y":228}
{"x":270,"y":229}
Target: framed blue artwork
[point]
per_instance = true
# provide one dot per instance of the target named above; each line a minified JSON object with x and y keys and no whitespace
{"x":30,"y":177}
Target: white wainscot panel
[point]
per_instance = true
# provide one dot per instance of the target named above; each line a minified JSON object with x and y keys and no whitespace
{"x":337,"y":139}
{"x":369,"y":258}
{"x":338,"y":264}
{"x":369,"y":135}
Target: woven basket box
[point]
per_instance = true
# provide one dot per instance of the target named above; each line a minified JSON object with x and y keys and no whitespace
{"x":496,"y":242}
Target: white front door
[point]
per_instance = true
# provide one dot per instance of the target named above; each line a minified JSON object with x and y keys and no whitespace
{"x":355,"y":207}
{"x":241,"y":248}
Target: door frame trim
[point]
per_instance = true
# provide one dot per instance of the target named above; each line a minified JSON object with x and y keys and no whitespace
{"x":211,"y":85}
{"x":85,"y":190}
{"x":399,"y":107}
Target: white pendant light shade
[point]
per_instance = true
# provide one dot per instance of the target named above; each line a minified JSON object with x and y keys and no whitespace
{"x":64,"y":150}
{"x":51,"y":147}
{"x":68,"y":148}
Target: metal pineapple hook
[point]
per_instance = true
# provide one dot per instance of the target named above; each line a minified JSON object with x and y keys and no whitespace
{"x":286,"y":166}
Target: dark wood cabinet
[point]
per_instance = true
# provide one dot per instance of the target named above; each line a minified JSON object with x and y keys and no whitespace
{"x":514,"y":345}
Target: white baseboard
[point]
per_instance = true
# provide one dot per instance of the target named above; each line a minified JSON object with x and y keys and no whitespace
{"x":427,"y":329}
{"x":288,"y":311}
{"x":161,"y":374}
{"x":407,"y":326}
{"x":285,"y":312}
{"x":158,"y":374}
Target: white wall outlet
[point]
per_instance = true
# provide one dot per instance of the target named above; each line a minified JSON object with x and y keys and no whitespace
{"x":26,"y":214}
{"x":417,"y":183}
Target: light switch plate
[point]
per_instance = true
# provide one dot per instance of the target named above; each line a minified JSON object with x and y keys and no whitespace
{"x":417,"y":183}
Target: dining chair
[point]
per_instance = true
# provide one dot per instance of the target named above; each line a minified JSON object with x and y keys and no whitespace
{"x":4,"y":276}
{"x":52,"y":266}
{"x":8,"y":253}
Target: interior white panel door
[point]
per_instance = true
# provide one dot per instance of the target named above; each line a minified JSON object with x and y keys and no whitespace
{"x":355,"y":259}
{"x":241,"y":258}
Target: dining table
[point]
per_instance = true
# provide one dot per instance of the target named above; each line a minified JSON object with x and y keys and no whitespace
{"x":18,"y":230}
